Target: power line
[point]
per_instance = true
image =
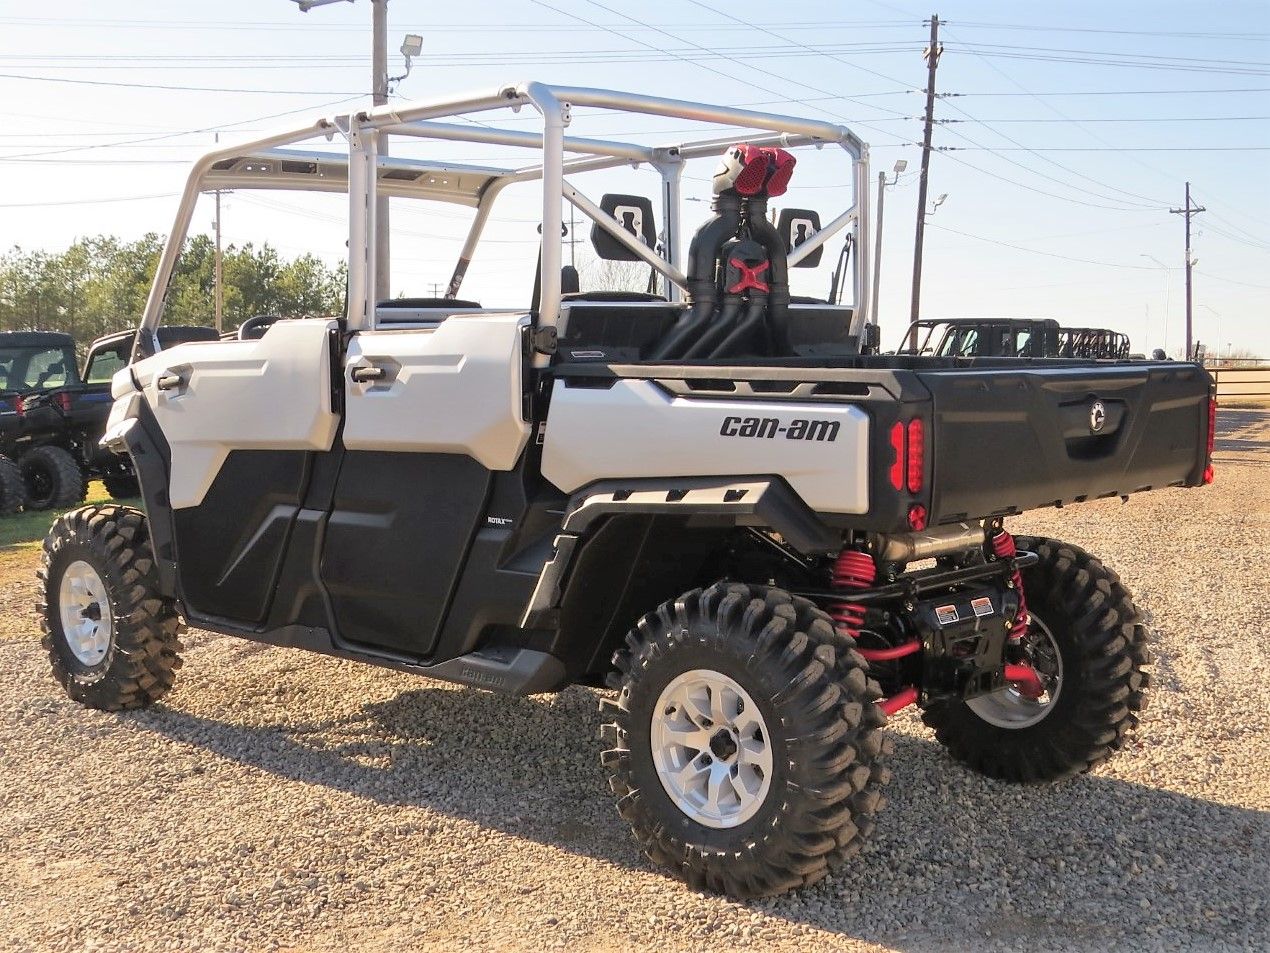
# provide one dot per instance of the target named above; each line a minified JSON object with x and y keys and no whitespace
{"x":1047,"y":254}
{"x":172,"y":135}
{"x":995,"y":149}
{"x":169,"y":86}
{"x":105,"y":201}
{"x":1042,"y":28}
{"x":1113,"y":92}
{"x":730,"y":77}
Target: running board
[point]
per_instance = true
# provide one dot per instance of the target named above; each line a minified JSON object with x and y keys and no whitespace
{"x":509,"y":671}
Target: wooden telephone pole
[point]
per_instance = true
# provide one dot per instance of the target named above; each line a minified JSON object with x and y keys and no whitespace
{"x":932,"y":63}
{"x":1188,"y":211}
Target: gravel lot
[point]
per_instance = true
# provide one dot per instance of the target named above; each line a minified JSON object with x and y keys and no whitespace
{"x":279,"y":799}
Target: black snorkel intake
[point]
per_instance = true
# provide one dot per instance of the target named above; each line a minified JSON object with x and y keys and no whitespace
{"x":738,"y":275}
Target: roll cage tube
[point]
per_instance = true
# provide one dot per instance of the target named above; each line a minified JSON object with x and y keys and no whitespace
{"x":263,"y":163}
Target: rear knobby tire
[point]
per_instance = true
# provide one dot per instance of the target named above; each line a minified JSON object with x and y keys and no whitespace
{"x":1102,"y":639}
{"x":12,"y":489}
{"x":53,"y":479}
{"x":818,"y":706}
{"x":109,"y":545}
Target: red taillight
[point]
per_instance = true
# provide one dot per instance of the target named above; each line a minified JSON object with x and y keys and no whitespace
{"x":917,"y":517}
{"x":897,"y":445}
{"x":916,"y":454}
{"x":20,"y":406}
{"x":64,"y":400}
{"x":1212,"y":437}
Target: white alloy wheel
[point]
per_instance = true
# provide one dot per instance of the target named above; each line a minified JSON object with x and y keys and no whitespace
{"x":84,"y":608}
{"x":711,"y":748}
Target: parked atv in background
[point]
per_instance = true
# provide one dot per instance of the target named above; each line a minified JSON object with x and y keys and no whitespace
{"x":713,"y":497}
{"x":60,"y":428}
{"x":1012,"y":337}
{"x":33,"y":363}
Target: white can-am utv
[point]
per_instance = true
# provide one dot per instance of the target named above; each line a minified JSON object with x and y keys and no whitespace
{"x":715,"y":497}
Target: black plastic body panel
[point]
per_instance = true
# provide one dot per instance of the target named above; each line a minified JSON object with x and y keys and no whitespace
{"x":396,"y":542}
{"x":1005,"y":441}
{"x":231,"y":545}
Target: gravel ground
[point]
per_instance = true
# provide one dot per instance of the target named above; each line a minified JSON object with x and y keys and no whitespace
{"x":279,"y":799}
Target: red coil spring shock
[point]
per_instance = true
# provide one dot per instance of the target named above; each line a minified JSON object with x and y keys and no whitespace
{"x":1003,"y":546}
{"x":853,"y":570}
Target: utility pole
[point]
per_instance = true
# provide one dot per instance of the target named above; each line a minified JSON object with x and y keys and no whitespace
{"x":1188,"y":211}
{"x":900,"y":166}
{"x":218,"y":293}
{"x":379,"y":96}
{"x":932,"y":63}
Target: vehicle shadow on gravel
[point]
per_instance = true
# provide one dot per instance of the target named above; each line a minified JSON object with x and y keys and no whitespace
{"x":1082,"y":862}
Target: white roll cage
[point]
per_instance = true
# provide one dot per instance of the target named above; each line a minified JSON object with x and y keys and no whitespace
{"x":366,"y":175}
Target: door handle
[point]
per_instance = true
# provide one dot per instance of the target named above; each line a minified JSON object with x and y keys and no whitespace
{"x":367,"y":373}
{"x":169,"y":382}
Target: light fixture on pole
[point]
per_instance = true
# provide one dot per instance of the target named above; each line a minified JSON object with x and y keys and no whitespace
{"x":900,"y":166}
{"x":411,"y":47}
{"x":937,"y":203}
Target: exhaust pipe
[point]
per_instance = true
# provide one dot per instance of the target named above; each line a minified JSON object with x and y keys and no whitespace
{"x":910,"y":547}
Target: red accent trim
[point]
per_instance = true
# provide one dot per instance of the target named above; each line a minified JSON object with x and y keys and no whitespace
{"x":887,"y":655}
{"x":1003,"y":546}
{"x":853,"y":570}
{"x":1212,"y":439}
{"x":1025,"y":679}
{"x":749,"y":276}
{"x":901,"y":699}
{"x":749,"y":180}
{"x":782,"y":165}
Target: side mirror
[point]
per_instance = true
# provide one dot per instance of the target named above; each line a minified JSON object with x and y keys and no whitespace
{"x":796,"y":225}
{"x":635,"y":214}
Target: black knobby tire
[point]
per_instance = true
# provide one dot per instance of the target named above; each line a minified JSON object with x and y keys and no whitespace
{"x":1102,"y":640}
{"x":811,"y":689}
{"x":140,"y":663}
{"x":53,"y":479}
{"x":12,"y":488}
{"x":122,"y":486}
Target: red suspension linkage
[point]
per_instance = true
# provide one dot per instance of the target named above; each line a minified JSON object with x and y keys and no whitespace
{"x":853,"y":570}
{"x":1003,"y":546}
{"x":856,"y":570}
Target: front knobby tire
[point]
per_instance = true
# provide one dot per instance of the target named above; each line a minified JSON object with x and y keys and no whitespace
{"x":1101,"y":640}
{"x":819,"y":783}
{"x":53,"y":479}
{"x":122,"y":486}
{"x":112,"y":638}
{"x":12,"y":488}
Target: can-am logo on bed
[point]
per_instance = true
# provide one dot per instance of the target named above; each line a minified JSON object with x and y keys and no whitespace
{"x":771,"y":427}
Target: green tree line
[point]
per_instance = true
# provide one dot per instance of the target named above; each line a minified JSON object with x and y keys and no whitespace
{"x":99,"y":285}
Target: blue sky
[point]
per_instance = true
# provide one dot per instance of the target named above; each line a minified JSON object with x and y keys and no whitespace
{"x":1077,"y":125}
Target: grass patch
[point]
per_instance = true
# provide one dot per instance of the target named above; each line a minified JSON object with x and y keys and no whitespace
{"x":27,"y":530}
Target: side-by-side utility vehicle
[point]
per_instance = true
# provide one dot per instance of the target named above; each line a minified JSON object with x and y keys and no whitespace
{"x":718,"y":500}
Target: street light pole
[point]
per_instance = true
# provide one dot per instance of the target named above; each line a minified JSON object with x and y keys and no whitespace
{"x":900,"y":166}
{"x":379,"y":79}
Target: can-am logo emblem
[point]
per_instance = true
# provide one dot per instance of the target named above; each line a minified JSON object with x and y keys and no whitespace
{"x":1097,"y":416}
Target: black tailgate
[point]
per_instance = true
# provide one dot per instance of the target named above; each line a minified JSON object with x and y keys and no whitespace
{"x":1007,"y":440}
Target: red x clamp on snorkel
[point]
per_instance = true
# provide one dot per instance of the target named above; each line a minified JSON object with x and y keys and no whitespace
{"x":748,"y":276}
